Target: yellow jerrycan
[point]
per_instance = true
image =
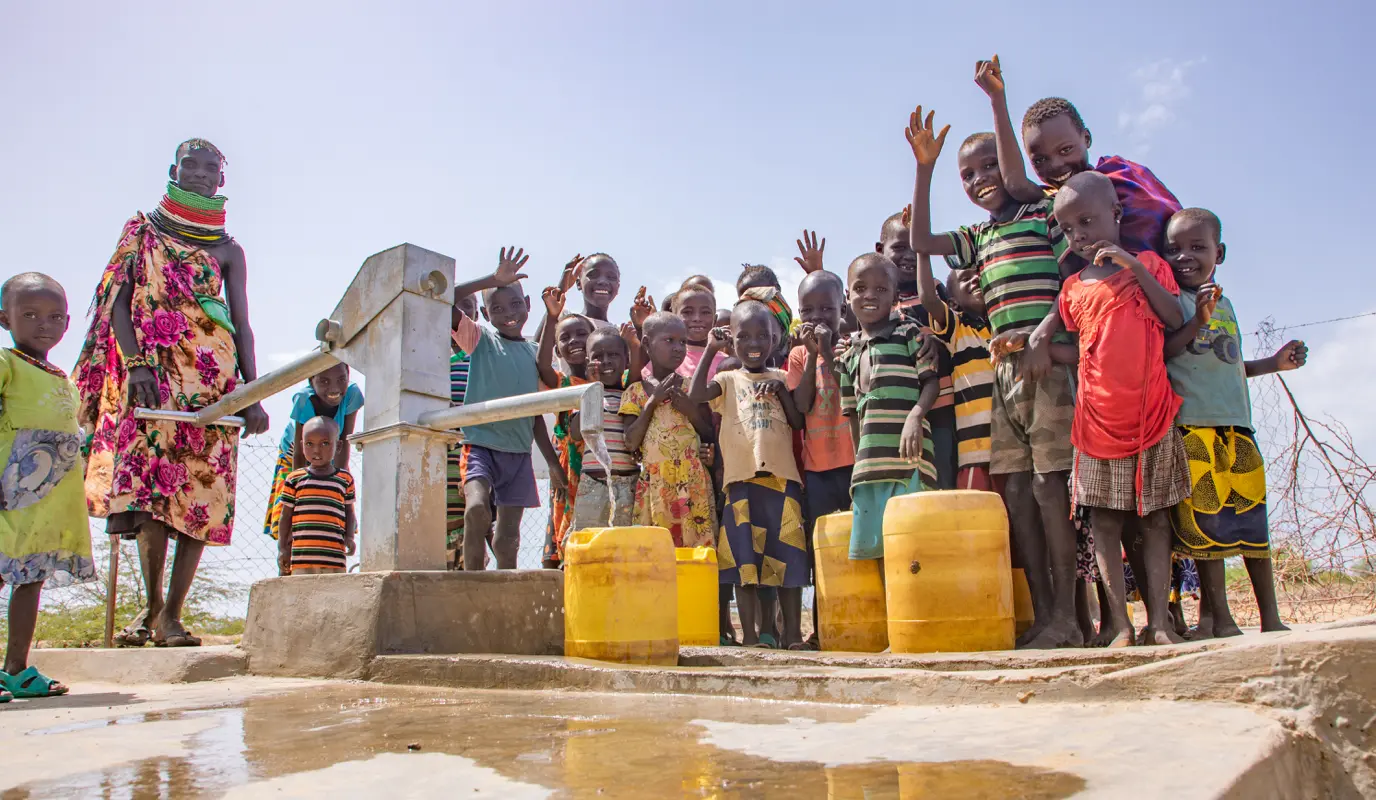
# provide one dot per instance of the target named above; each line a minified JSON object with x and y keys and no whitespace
{"x":620,"y":596}
{"x":850,"y":594}
{"x":698,"y":621}
{"x":948,"y":574}
{"x":1022,"y":602}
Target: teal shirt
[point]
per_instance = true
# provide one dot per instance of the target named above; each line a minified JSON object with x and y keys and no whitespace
{"x":1210,"y":374}
{"x":500,"y":368}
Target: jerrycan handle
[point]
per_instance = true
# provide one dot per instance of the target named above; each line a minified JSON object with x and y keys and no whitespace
{"x":583,"y":537}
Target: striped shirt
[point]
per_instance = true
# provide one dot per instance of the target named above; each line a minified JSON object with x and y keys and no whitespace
{"x":1017,"y":261}
{"x":320,"y":505}
{"x":458,"y":377}
{"x":967,"y":337}
{"x":614,"y":433}
{"x":881,"y":378}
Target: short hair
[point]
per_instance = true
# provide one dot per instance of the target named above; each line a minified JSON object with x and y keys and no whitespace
{"x":685,"y":292}
{"x":667,"y":304}
{"x":893,"y":219}
{"x":976,"y":139}
{"x":747,"y":309}
{"x":28,"y":281}
{"x":1203,"y":216}
{"x":656,"y":321}
{"x":587,"y":262}
{"x":812,"y":280}
{"x":753,"y":275}
{"x":515,"y":286}
{"x":872,"y":260}
{"x":317,"y":422}
{"x":701,"y":281}
{"x":573,"y":316}
{"x":1049,"y":107}
{"x":1091,"y":184}
{"x":605,"y":332}
{"x":199,"y":144}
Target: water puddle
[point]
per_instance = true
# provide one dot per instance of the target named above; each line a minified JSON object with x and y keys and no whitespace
{"x":366,"y":740}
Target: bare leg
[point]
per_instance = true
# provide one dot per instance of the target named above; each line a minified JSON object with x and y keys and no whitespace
{"x":152,"y":541}
{"x":1213,"y":592}
{"x":1053,"y":498}
{"x":477,"y":523}
{"x":1029,"y":542}
{"x":1156,"y":552}
{"x":747,"y":606}
{"x":1262,"y":576}
{"x":1106,"y":632}
{"x":1205,"y":628}
{"x":506,"y":544}
{"x":1082,"y":616}
{"x":768,"y":597}
{"x":1108,"y":552}
{"x":23,"y":619}
{"x":724,"y":611}
{"x":791,"y":604}
{"x":184,"y":564}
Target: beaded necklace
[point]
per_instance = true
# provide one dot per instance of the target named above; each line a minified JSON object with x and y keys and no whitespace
{"x":190,"y":216}
{"x":38,"y":362}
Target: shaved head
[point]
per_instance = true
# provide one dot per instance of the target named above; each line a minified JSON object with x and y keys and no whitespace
{"x":29,"y":282}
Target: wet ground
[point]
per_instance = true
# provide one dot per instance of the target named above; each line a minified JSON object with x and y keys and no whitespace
{"x":251,"y":737}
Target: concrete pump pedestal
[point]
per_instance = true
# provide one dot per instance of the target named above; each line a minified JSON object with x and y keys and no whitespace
{"x":335,"y":625}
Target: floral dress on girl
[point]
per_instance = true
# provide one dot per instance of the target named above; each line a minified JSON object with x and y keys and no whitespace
{"x":675,"y":488}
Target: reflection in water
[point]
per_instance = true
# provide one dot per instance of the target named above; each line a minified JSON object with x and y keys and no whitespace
{"x":577,"y":745}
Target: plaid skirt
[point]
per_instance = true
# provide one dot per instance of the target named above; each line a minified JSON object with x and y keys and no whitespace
{"x":1112,"y":483}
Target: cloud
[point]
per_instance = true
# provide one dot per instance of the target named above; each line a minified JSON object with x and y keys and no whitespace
{"x":1161,"y":86}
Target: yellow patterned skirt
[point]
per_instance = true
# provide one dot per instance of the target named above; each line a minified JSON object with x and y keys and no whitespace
{"x":761,"y":541}
{"x":1225,"y":512}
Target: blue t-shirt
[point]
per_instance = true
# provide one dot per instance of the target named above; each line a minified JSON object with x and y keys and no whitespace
{"x":497,"y":368}
{"x":1210,"y":374}
{"x":303,"y":411}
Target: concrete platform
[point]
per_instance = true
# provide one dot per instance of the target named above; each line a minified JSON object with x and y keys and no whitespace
{"x":270,"y":737}
{"x":334,"y":625}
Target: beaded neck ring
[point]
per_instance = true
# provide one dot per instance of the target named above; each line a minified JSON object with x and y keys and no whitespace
{"x":38,"y":362}
{"x":191,"y":217}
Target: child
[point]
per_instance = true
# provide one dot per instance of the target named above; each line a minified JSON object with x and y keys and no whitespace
{"x":458,"y":385}
{"x":697,"y":307}
{"x":762,"y":542}
{"x":496,"y":464}
{"x":675,"y":489}
{"x":960,"y":324}
{"x":887,"y":388}
{"x":606,"y":499}
{"x":1129,"y":460}
{"x":1016,"y":255}
{"x":317,"y":524}
{"x":1225,"y":513}
{"x":828,"y":454}
{"x":568,"y":338}
{"x":895,"y":244}
{"x":43,"y":529}
{"x":327,"y":394}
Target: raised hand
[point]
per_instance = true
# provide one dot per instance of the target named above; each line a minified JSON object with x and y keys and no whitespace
{"x":509,"y":266}
{"x":908,"y":215}
{"x":554,"y":301}
{"x":1006,"y":343}
{"x":719,"y":337}
{"x":642,"y":307}
{"x":773,"y":386}
{"x":666,"y":389}
{"x":1205,"y":301}
{"x":572,"y":272}
{"x":989,"y":76}
{"x":1292,"y":355}
{"x":630,"y":335}
{"x":811,"y":259}
{"x":925,"y":142}
{"x":1108,"y":253}
{"x":807,"y":336}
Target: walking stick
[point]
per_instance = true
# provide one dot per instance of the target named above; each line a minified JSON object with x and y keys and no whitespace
{"x":110,"y":592}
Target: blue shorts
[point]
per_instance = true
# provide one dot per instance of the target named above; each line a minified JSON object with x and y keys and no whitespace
{"x":511,"y":476}
{"x":867,"y":519}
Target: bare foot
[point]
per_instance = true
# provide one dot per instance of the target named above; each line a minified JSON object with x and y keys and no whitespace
{"x":1200,"y":633}
{"x":1269,"y":627}
{"x":171,"y":633}
{"x":1029,"y":634}
{"x":1056,"y":635}
{"x":1228,"y":628}
{"x":1123,"y":638}
{"x":1154,"y":636}
{"x":1106,"y":637}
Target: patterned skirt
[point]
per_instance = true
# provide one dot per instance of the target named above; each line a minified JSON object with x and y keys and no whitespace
{"x":676,"y":494}
{"x":762,"y":541}
{"x":1184,"y":580}
{"x":1113,"y":483}
{"x":1225,"y":511}
{"x":280,"y":471}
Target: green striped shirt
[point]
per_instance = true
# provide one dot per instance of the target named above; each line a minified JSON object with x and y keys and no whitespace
{"x":1018,"y":263}
{"x":893,"y":375}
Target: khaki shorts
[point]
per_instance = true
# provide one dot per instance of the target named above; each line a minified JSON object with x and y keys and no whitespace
{"x":1030,"y":426}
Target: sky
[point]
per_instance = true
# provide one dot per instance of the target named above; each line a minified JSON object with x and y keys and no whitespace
{"x":680,"y":138}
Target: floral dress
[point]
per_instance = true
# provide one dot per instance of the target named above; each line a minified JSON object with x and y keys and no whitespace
{"x":44,"y":535}
{"x":675,"y":489}
{"x":178,"y":474}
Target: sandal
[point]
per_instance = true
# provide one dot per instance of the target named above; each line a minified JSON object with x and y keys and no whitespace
{"x":31,"y":683}
{"x":5,"y":697}
{"x":728,"y":640}
{"x":806,"y":646}
{"x":135,"y":634}
{"x":766,"y":642}
{"x":178,"y":640}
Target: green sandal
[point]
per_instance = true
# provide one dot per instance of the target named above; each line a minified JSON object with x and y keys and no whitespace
{"x":30,"y":683}
{"x":5,"y":697}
